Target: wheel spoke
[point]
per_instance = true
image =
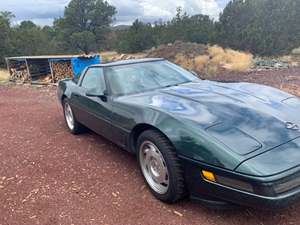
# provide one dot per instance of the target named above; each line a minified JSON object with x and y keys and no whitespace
{"x":164,"y":176}
{"x":147,"y":156}
{"x":156,"y":179}
{"x":155,"y":153}
{"x":160,"y":179}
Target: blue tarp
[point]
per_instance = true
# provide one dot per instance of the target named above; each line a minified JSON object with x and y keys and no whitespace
{"x":79,"y":64}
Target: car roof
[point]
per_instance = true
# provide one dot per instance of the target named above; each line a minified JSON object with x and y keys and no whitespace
{"x":128,"y":62}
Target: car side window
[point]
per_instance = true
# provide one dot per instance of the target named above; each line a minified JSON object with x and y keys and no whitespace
{"x":94,"y":80}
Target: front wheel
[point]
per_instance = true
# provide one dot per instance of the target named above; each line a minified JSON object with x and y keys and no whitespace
{"x":160,"y":166}
{"x":71,"y":122}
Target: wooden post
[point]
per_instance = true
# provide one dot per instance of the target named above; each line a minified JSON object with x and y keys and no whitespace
{"x":8,"y":66}
{"x":28,"y":70}
{"x":51,"y":69}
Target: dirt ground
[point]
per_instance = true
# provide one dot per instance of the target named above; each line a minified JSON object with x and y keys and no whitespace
{"x":50,"y":177}
{"x":287,"y":79}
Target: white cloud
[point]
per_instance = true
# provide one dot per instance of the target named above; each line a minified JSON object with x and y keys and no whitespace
{"x":207,"y":7}
{"x":44,"y":11}
{"x":34,"y":8}
{"x":157,"y":8}
{"x":154,"y":10}
{"x":167,"y":8}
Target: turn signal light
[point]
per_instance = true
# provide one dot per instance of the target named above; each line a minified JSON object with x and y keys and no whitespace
{"x":226,"y":181}
{"x":209,"y":176}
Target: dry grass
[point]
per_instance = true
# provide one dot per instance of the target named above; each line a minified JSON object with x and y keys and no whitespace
{"x":292,"y":60}
{"x":296,"y":51}
{"x":286,"y":58}
{"x":184,"y":61}
{"x":216,"y":51}
{"x":205,"y":60}
{"x":201,"y":62}
{"x":215,"y":59}
{"x":230,"y":59}
{"x":4,"y":76}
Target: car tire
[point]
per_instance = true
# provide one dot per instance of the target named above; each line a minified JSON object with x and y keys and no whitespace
{"x":160,"y":166}
{"x":72,"y":124}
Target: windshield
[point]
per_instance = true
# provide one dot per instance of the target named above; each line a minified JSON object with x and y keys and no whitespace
{"x":141,"y":77}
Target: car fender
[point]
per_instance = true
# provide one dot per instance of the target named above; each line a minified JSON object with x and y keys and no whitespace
{"x":189,"y":140}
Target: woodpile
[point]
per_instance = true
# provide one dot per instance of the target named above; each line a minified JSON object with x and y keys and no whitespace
{"x":19,"y":74}
{"x":46,"y":69}
{"x":61,"y":70}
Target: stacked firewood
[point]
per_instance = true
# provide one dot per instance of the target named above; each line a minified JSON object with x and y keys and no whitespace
{"x":20,"y":74}
{"x":61,"y":70}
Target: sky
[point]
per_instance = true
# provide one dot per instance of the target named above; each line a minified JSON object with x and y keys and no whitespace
{"x":43,"y":12}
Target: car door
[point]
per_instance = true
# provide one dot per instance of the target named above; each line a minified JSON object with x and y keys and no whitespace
{"x":93,"y":107}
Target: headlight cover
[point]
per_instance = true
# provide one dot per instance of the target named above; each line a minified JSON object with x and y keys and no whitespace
{"x":237,"y":140}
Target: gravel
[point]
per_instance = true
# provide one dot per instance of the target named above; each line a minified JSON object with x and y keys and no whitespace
{"x":49,"y":177}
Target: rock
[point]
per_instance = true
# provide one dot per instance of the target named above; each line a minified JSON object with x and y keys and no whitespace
{"x":270,"y":64}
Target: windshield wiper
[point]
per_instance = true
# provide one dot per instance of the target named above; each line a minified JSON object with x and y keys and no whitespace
{"x":170,"y":85}
{"x":173,"y":85}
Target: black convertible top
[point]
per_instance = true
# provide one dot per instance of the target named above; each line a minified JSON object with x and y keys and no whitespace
{"x":127,"y":62}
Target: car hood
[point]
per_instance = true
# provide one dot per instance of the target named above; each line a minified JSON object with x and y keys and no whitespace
{"x":249,"y":119}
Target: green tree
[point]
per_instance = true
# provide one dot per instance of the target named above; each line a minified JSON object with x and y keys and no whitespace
{"x":30,"y":39}
{"x":141,"y":36}
{"x":85,"y":24}
{"x":85,"y":40}
{"x":5,"y":18}
{"x":261,"y":26}
{"x":137,"y":38}
{"x":8,"y":16}
{"x":200,"y":29}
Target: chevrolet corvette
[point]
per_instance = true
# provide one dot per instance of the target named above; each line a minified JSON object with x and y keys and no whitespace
{"x":217,"y":142}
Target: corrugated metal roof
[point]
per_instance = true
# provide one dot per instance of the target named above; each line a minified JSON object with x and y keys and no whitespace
{"x":48,"y":57}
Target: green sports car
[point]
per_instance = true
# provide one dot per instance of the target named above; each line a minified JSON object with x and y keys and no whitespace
{"x":215,"y":142}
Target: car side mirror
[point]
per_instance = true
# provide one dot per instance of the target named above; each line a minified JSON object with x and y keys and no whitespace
{"x":97,"y":93}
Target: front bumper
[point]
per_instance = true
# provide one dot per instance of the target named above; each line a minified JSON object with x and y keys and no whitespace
{"x":209,"y":192}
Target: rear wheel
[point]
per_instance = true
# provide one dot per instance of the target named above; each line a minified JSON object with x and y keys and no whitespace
{"x":74,"y":126}
{"x":160,"y":166}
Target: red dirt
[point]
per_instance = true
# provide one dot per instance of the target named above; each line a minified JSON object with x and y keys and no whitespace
{"x":49,"y":177}
{"x":287,"y":79}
